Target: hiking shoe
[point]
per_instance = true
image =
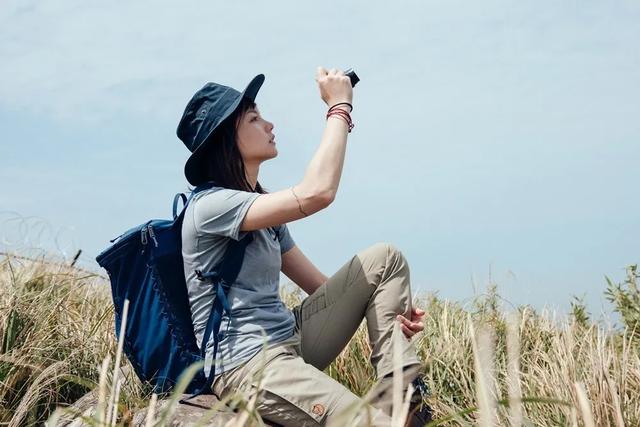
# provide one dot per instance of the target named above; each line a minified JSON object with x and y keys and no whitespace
{"x":420,"y":413}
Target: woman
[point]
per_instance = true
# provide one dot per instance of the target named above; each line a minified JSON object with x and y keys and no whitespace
{"x":229,"y":140}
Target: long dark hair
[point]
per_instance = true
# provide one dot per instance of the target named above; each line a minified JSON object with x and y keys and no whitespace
{"x":222,"y":161}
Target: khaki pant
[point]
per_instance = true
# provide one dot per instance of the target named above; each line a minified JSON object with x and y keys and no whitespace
{"x":374,"y":285}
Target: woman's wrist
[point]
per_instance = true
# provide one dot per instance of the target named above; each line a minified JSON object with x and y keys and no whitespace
{"x":341,"y":112}
{"x":343,"y":108}
{"x":341,"y":119}
{"x":346,"y":106}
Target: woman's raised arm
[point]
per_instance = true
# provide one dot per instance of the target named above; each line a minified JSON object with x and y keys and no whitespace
{"x":319,"y":186}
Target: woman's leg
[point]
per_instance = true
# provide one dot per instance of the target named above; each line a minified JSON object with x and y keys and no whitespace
{"x":374,"y":285}
{"x":293,"y":392}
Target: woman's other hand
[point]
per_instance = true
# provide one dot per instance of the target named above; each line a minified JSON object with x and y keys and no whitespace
{"x":413,"y":326}
{"x":334,"y":86}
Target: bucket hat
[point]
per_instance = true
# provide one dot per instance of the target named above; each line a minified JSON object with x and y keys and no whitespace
{"x":204,"y":113}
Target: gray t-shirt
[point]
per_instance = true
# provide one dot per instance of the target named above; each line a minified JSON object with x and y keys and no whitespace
{"x":212,"y":217}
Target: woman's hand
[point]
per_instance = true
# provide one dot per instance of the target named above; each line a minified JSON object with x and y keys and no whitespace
{"x":334,"y":86}
{"x":413,"y":326}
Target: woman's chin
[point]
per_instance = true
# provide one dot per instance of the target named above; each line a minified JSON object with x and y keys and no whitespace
{"x":270,"y":156}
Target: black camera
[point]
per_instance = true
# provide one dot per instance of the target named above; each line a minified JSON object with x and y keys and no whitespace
{"x":353,"y":76}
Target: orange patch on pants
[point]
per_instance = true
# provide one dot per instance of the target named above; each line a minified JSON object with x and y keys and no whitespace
{"x":318,"y":409}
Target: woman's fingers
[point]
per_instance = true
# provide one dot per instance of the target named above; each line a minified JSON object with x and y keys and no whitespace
{"x":416,"y":314}
{"x":407,"y":332}
{"x":320,"y":72}
{"x":334,"y":85}
{"x":408,"y":327}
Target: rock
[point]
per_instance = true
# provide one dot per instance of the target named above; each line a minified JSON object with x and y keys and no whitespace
{"x":188,"y":415}
{"x":185,"y":415}
{"x":86,"y":406}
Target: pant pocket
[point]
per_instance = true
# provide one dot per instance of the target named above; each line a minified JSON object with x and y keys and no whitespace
{"x":296,"y":393}
{"x":314,"y":303}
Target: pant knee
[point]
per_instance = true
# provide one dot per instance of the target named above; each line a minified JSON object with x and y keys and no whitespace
{"x":384,"y":260}
{"x":383,"y":251}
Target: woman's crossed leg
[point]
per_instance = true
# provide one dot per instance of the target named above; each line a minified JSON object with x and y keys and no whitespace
{"x":373,"y":285}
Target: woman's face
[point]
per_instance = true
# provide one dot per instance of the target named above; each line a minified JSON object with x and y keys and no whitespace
{"x":255,"y":137}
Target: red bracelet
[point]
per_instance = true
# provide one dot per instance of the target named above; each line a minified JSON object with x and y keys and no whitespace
{"x":335,"y":107}
{"x":343,"y":114}
{"x":342,"y":103}
{"x":345,"y":118}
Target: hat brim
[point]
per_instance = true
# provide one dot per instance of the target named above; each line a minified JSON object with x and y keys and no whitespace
{"x":193,"y":170}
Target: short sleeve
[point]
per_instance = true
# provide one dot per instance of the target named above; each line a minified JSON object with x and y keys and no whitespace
{"x":221,"y":211}
{"x":286,"y":241}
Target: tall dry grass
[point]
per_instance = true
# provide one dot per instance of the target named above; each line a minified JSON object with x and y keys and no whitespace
{"x":484,"y":366}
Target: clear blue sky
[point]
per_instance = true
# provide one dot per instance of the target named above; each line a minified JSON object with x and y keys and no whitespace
{"x":493,"y":138}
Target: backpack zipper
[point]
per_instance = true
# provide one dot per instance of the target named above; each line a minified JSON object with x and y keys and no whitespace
{"x":153,"y":235}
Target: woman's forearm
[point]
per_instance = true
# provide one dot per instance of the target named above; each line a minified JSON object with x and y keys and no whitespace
{"x":322,"y":175}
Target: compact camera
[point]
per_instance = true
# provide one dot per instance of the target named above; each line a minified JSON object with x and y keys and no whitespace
{"x":352,"y":75}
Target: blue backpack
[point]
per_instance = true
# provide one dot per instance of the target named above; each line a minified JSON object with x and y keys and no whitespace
{"x":145,"y":266}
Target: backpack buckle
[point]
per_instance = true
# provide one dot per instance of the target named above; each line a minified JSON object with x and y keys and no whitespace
{"x":204,"y":276}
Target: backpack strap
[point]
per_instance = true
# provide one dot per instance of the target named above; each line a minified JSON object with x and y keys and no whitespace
{"x":186,"y":200}
{"x":175,"y":203}
{"x":221,"y":278}
{"x":222,"y":281}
